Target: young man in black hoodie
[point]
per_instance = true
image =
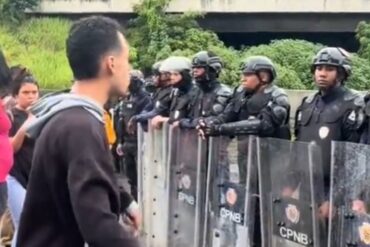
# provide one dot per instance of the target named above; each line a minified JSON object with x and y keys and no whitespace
{"x":72,"y":196}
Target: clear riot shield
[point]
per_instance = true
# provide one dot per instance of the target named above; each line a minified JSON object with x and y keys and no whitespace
{"x":154,"y":181}
{"x":349,"y":223}
{"x":291,"y":193}
{"x":144,"y":199}
{"x":187,"y":190}
{"x":231,"y":206}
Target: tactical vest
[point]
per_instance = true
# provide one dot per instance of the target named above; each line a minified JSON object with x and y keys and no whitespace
{"x":247,"y":105}
{"x":181,"y":103}
{"x":325,"y":124}
{"x":211,"y":102}
{"x":162,"y":98}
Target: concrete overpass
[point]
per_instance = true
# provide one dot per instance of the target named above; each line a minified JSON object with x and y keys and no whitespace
{"x":245,"y":22}
{"x":239,"y":16}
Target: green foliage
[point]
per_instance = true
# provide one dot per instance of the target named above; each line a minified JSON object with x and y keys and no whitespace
{"x":13,"y":11}
{"x":288,"y":78}
{"x":39,"y":45}
{"x":363,"y":37}
{"x":46,"y":33}
{"x":155,"y":35}
{"x":360,"y":79}
{"x":294,"y":55}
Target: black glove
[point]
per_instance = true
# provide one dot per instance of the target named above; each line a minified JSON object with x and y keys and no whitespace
{"x":209,"y":127}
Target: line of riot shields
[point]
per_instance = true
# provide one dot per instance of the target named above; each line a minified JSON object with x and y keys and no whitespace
{"x":250,"y":191}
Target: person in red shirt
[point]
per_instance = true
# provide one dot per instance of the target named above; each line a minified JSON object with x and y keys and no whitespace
{"x":6,"y":157}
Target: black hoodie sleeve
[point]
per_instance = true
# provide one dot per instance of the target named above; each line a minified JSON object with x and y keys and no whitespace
{"x":93,"y":187}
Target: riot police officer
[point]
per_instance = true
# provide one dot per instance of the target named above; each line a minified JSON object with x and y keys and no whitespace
{"x":183,"y":93}
{"x":132,"y":104}
{"x":333,"y":113}
{"x":213,"y":96}
{"x":161,"y":100}
{"x":258,"y":107}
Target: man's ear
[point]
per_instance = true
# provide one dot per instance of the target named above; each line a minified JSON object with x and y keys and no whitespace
{"x":109,"y":63}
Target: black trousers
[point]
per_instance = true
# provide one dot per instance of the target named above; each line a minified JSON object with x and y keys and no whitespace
{"x":130,"y":166}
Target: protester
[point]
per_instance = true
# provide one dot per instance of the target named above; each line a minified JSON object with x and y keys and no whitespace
{"x":25,"y":91}
{"x":73,"y":196}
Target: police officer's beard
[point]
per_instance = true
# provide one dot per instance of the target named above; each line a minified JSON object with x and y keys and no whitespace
{"x":206,"y":81}
{"x":203,"y":78}
{"x":327,"y":89}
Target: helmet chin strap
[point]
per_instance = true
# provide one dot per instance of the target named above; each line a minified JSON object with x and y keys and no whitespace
{"x":260,"y":84}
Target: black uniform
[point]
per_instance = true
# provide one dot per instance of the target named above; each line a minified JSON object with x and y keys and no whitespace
{"x":182,"y":100}
{"x":212,"y":96}
{"x":160,"y":105}
{"x":129,"y":107}
{"x":211,"y":100}
{"x":336,"y":116}
{"x":265,"y":114}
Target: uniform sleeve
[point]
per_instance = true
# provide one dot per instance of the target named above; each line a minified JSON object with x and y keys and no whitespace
{"x":353,"y":125}
{"x":160,"y":108}
{"x":274,"y":116}
{"x":218,"y":107}
{"x":221,"y":101}
{"x":93,"y":189}
{"x":297,"y":120}
{"x":228,"y":115}
{"x":144,"y":102}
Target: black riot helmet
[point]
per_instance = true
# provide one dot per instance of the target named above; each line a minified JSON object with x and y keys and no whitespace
{"x":333,"y":56}
{"x":256,"y":64}
{"x":210,"y":62}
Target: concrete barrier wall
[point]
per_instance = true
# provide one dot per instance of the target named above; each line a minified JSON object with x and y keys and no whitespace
{"x":212,"y":6}
{"x":295,"y":99}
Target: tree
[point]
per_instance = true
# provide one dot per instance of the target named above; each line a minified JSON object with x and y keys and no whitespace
{"x":14,"y":10}
{"x":363,"y":37}
{"x":155,"y":35}
{"x":293,"y":55}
